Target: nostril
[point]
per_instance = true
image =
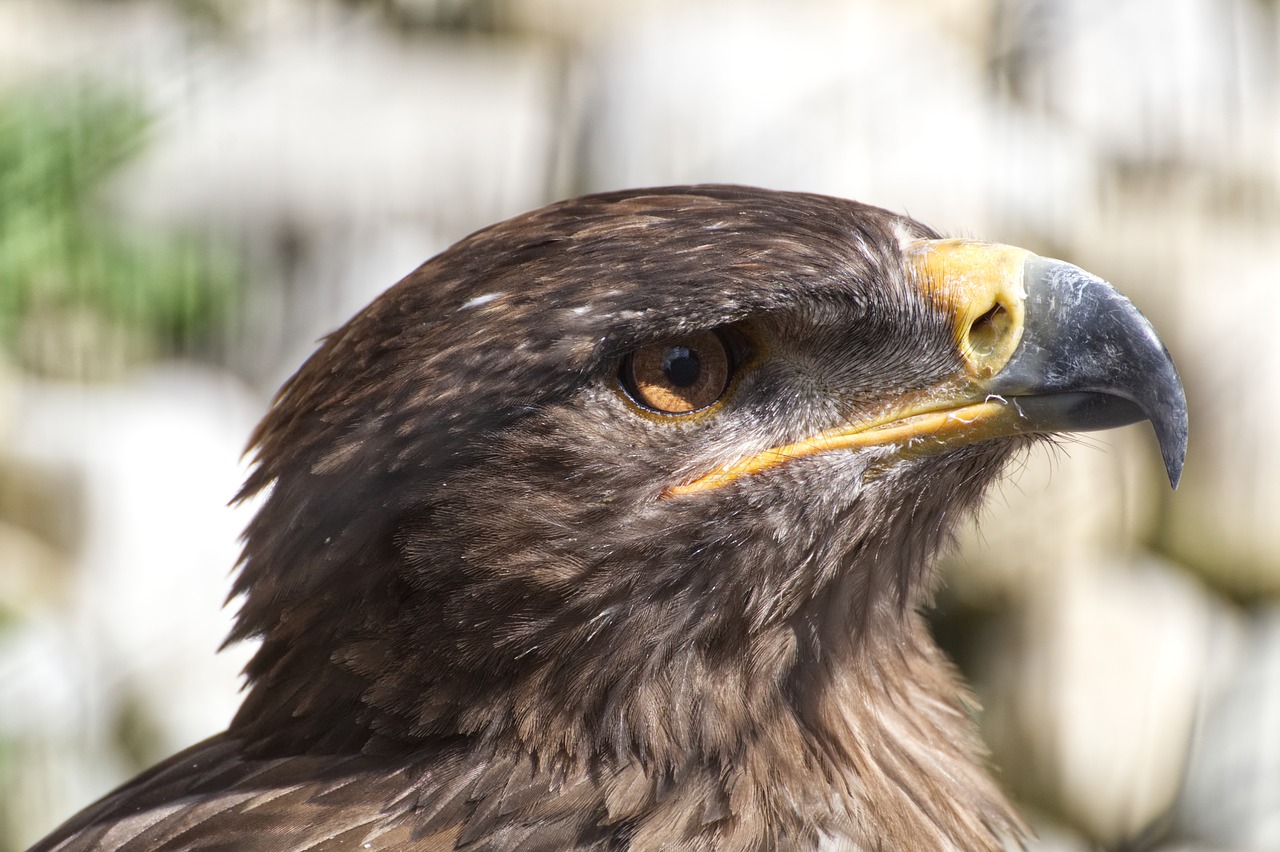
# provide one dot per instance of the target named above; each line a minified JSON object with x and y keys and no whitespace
{"x":989,"y":330}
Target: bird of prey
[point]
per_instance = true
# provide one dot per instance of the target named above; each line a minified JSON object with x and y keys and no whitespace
{"x":610,"y":527}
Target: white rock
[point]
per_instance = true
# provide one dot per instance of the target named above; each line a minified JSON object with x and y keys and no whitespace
{"x":1232,"y":795}
{"x":1093,"y":692}
{"x":868,"y":100}
{"x":1154,"y":81}
{"x":158,"y":459}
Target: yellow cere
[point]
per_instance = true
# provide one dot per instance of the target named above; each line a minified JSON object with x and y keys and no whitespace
{"x":982,"y":284}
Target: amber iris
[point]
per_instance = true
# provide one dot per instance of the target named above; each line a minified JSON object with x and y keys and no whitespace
{"x":679,"y":376}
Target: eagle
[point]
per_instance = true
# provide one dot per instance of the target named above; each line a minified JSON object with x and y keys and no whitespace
{"x":612,"y":526}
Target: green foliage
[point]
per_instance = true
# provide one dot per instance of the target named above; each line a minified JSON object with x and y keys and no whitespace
{"x":65,"y":260}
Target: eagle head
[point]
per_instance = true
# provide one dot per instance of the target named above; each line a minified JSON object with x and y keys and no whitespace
{"x":647,"y":487}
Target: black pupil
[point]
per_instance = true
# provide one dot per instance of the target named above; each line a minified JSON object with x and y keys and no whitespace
{"x":680,"y":366}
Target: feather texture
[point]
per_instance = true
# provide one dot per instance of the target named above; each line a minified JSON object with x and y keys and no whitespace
{"x":484,"y":628}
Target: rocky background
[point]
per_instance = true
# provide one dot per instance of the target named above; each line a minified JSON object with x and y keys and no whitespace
{"x":193,"y":191}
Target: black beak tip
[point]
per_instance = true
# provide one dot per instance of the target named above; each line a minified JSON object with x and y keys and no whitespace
{"x":1171,"y":431}
{"x":1174,"y":467}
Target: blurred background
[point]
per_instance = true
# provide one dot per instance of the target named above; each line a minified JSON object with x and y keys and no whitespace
{"x":193,"y":191}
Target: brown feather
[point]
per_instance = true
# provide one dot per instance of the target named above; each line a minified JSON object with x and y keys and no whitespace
{"x":482,"y":627}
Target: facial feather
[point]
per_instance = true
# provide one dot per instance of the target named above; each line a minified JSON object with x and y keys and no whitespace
{"x":504,"y":600}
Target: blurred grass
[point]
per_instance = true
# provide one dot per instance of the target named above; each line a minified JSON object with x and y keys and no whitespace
{"x":83,"y":294}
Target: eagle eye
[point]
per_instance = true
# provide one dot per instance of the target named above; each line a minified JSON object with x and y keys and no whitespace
{"x":680,"y":376}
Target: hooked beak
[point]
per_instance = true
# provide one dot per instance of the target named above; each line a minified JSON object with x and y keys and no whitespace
{"x":1046,"y":347}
